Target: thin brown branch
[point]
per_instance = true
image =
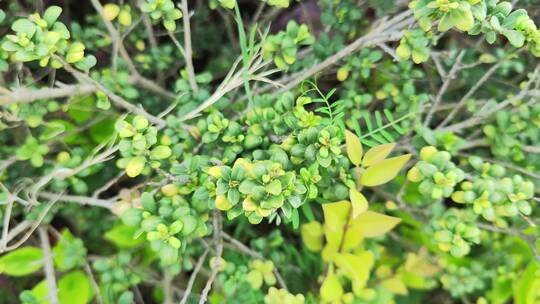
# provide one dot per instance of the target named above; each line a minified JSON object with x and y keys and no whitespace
{"x":447,"y":81}
{"x":52,"y":290}
{"x":83,"y":200}
{"x":29,"y":95}
{"x":218,"y":240}
{"x":187,"y":46}
{"x":193,"y":276}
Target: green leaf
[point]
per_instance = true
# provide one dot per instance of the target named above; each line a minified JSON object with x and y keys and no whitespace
{"x":373,"y":224}
{"x":68,"y":252}
{"x":51,"y":14}
{"x":465,"y":18}
{"x":461,"y":18}
{"x":24,"y":26}
{"x":86,"y":63}
{"x":227,"y":3}
{"x":140,"y":122}
{"x":278,"y":3}
{"x":354,"y":147}
{"x":384,"y":171}
{"x":359,"y":202}
{"x":81,"y":108}
{"x":124,"y":236}
{"x":22,"y":261}
{"x":160,"y":152}
{"x":515,"y":38}
{"x":274,"y":187}
{"x":377,"y":154}
{"x":74,"y":288}
{"x":528,"y":284}
{"x":446,"y":22}
{"x":148,"y":202}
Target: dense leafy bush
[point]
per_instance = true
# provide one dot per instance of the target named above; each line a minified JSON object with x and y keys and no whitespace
{"x":269,"y":151}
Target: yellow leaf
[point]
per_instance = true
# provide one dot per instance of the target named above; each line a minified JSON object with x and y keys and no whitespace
{"x":110,"y":11}
{"x":356,"y":266}
{"x":342,"y":73}
{"x":352,"y":239}
{"x":373,"y":224}
{"x":331,"y":289}
{"x":222,"y":203}
{"x":354,"y":147}
{"x":359,"y":202}
{"x":329,"y":252}
{"x":312,"y":234}
{"x":377,"y":153}
{"x":419,"y":264}
{"x":336,"y":215}
{"x":384,"y":171}
{"x":395,"y":285}
{"x":215,"y":171}
{"x":249,"y":205}
{"x":135,"y":166}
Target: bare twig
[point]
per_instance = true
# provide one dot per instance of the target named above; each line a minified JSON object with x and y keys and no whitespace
{"x":167,"y":284}
{"x":468,"y":95}
{"x":193,"y":276}
{"x":388,"y":30}
{"x":447,"y":81}
{"x":218,"y":240}
{"x":7,"y":218}
{"x":531,"y":149}
{"x":119,"y":46}
{"x":233,"y":80}
{"x":482,"y":115}
{"x":116,"y":99}
{"x":83,"y":200}
{"x":94,"y":283}
{"x":48,"y":266}
{"x":29,"y":95}
{"x":187,"y":44}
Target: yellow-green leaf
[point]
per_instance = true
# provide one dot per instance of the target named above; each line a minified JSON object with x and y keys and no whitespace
{"x":373,"y":224}
{"x":124,"y":236}
{"x":359,"y":202}
{"x":383,"y":171}
{"x":135,"y":166}
{"x":377,"y":153}
{"x":110,"y":11}
{"x":336,"y":216}
{"x":528,"y":284}
{"x":222,"y":203}
{"x":395,"y":285}
{"x":354,"y":147}
{"x":312,"y":235}
{"x":331,"y":289}
{"x":419,"y":264}
{"x":356,"y":266}
{"x":75,"y":288}
{"x":22,"y":261}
